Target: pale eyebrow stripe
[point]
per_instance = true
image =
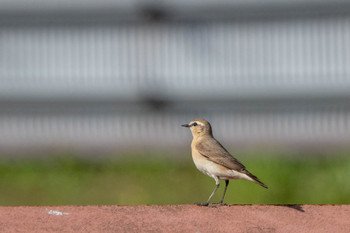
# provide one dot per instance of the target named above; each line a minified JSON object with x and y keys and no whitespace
{"x":199,"y":123}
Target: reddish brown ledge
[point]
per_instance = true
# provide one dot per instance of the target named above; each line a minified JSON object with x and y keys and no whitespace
{"x":176,"y":218}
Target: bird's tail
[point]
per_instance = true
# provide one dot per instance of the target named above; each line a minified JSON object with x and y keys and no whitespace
{"x":255,"y":179}
{"x":261,"y":183}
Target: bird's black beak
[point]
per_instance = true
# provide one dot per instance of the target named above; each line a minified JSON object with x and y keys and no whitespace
{"x":186,"y":125}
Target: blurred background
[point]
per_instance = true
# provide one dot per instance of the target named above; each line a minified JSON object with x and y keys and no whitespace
{"x":93,"y":93}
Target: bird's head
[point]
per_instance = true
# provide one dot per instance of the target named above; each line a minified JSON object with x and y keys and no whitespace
{"x":199,"y":127}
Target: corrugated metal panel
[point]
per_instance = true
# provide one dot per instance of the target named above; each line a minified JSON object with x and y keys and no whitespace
{"x":111,"y":82}
{"x":258,"y":56}
{"x":145,"y":128}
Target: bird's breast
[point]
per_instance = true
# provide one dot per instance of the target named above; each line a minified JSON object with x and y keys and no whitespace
{"x":208,"y":167}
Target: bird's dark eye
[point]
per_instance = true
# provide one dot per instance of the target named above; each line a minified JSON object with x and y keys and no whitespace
{"x":195,"y":124}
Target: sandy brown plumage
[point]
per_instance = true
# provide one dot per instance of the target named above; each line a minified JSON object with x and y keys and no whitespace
{"x":211,"y":158}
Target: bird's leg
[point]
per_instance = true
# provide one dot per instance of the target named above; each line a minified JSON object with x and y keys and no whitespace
{"x":223,"y":195}
{"x":212,"y":194}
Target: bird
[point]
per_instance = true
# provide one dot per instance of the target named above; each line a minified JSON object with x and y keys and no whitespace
{"x":212,"y":159}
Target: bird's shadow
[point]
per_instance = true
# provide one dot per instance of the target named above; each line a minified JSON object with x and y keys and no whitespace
{"x":296,"y":207}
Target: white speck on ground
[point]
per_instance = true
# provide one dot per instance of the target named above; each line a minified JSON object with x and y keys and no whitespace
{"x":55,"y":212}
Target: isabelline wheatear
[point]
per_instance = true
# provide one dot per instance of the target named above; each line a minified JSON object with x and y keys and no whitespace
{"x":211,"y":158}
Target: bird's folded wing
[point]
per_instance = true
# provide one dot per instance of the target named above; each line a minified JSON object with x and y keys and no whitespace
{"x":215,"y":152}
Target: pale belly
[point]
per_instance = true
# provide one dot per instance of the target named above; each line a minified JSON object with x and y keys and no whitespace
{"x":215,"y":170}
{"x":210,"y":168}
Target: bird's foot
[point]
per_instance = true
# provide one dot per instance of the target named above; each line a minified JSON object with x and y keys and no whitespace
{"x":202,"y":204}
{"x":221,"y":203}
{"x":205,"y":204}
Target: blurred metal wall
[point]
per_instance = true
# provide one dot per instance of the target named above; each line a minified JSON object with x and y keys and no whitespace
{"x":128,"y":73}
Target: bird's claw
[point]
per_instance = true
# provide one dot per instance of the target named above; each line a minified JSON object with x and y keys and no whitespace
{"x":202,"y":204}
{"x":221,"y":203}
{"x":205,"y":204}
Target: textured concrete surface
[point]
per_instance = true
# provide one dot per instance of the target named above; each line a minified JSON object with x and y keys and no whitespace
{"x":176,"y":218}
